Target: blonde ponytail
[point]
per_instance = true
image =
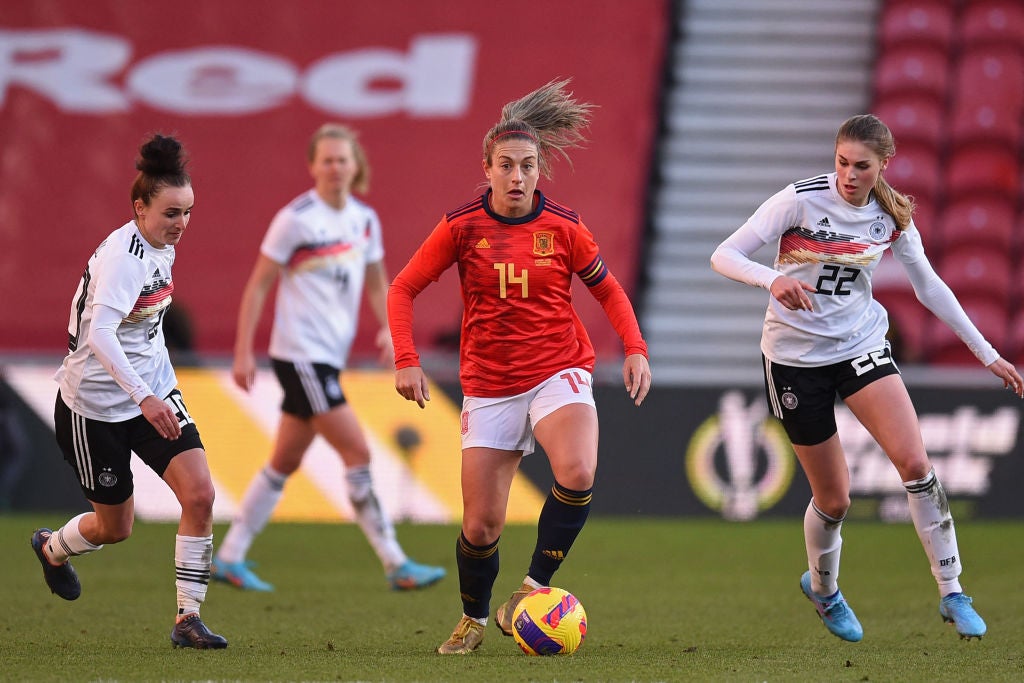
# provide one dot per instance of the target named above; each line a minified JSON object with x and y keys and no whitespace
{"x":548,"y":117}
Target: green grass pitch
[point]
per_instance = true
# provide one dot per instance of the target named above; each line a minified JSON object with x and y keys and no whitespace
{"x":667,"y":600}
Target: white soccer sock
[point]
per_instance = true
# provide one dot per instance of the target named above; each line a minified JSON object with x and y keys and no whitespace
{"x":192,"y":555}
{"x":372,"y":518}
{"x":824,"y":543}
{"x":262,"y":496}
{"x":68,"y":541}
{"x":934,"y":524}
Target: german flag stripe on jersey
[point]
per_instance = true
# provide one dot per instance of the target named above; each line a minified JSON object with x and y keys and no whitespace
{"x":594,"y":272}
{"x":306,"y":252}
{"x":820,"y":242}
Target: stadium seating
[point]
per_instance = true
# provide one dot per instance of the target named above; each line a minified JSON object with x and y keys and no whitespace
{"x":913,"y":117}
{"x":908,"y":323}
{"x":979,"y":271}
{"x":988,"y":316}
{"x":975,"y":120}
{"x":920,"y":69}
{"x":986,"y":168}
{"x":977,"y":220}
{"x":928,"y":22}
{"x":1014,"y":351}
{"x":925,"y":221}
{"x":915,"y":171}
{"x":992,"y":74}
{"x":949,"y":81}
{"x":988,"y":22}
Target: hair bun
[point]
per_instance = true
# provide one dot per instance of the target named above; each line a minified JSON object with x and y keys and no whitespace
{"x":161,"y":156}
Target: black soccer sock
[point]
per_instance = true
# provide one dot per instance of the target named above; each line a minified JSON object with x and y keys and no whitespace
{"x":478,"y":568}
{"x":561,"y":520}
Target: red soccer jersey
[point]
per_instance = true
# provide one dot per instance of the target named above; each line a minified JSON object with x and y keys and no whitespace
{"x":518,"y":324}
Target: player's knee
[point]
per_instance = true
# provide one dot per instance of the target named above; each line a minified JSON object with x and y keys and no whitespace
{"x":197,"y":501}
{"x":577,"y":476}
{"x":113,"y":531}
{"x":482,"y":532}
{"x":834,"y":505}
{"x":912,"y":469}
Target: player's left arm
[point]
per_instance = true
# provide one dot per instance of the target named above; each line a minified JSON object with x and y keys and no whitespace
{"x":602,"y":285}
{"x":636,"y":371}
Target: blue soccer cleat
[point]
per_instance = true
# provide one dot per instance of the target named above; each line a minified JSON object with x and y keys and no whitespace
{"x":412,"y":575}
{"x":956,"y":609}
{"x":240,"y":575}
{"x":192,"y":632}
{"x":62,"y":578}
{"x":834,"y":612}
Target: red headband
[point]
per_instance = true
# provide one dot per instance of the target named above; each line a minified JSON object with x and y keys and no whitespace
{"x":511,"y":132}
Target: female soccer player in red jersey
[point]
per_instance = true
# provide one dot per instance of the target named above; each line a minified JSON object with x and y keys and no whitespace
{"x":525,"y":358}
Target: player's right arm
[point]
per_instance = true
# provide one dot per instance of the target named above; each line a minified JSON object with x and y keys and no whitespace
{"x":734,"y":257}
{"x":433,"y":257}
{"x":262,"y":278}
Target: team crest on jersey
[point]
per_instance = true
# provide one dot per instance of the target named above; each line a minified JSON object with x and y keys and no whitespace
{"x":789,"y":400}
{"x":543,"y":243}
{"x":107,"y":478}
{"x":878,"y":231}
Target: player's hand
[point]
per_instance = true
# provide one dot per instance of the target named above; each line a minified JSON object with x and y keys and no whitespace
{"x":160,"y":415}
{"x":792,"y":293}
{"x":243,"y":370}
{"x":636,"y":373}
{"x":1005,"y":371}
{"x":411,"y":384}
{"x":387,"y":348}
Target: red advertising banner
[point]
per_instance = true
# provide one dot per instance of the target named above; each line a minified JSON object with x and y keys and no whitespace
{"x":244,"y":84}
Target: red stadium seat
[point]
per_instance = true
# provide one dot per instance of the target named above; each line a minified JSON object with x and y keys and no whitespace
{"x":1014,"y":351}
{"x":916,"y":21}
{"x":987,"y":22}
{"x":924,"y":221}
{"x":981,"y":121}
{"x":915,"y":171}
{"x":912,"y":68}
{"x":983,"y":168}
{"x":992,"y":75}
{"x":978,"y":220}
{"x":978,"y":271}
{"x":912,"y":117}
{"x":908,"y":322}
{"x":1018,"y":279}
{"x":988,"y":316}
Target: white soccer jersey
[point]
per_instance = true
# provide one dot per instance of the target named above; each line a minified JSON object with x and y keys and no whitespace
{"x":324,"y":253}
{"x":132,"y":277}
{"x":834,"y":246}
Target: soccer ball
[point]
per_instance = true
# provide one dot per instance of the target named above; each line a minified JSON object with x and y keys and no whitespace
{"x":549,"y":621}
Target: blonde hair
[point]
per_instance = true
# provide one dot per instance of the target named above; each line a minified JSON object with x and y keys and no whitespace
{"x":869,"y":130}
{"x":337,"y":131}
{"x":549,"y":117}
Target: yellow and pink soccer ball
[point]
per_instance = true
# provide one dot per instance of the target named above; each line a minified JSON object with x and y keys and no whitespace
{"x":549,"y":621}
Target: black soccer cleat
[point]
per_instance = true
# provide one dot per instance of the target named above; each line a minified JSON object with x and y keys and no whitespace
{"x":192,"y":632}
{"x":61,"y":578}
